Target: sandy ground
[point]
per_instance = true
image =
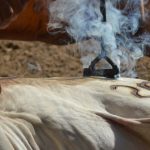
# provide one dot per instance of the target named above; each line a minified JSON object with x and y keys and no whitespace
{"x":36,"y":59}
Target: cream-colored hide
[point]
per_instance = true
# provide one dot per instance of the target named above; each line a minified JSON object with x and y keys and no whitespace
{"x":74,"y":114}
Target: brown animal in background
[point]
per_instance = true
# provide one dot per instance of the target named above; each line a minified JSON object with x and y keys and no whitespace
{"x":9,"y":9}
{"x":31,"y":25}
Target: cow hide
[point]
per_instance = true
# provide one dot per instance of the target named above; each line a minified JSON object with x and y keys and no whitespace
{"x":74,"y":114}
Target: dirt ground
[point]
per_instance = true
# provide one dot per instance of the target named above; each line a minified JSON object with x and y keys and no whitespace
{"x":36,"y":59}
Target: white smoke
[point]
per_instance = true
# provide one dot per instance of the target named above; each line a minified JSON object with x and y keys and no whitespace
{"x":82,"y":19}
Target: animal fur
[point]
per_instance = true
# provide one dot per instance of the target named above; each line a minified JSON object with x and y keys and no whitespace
{"x":73,"y":114}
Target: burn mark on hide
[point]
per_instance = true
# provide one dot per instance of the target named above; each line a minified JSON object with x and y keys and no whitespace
{"x":135,"y":91}
{"x":145,"y":85}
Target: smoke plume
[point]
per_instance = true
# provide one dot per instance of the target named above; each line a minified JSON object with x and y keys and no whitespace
{"x":82,"y":19}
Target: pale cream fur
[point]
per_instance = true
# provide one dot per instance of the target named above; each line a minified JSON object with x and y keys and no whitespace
{"x":73,"y":114}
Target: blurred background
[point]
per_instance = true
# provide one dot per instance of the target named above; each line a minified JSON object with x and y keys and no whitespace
{"x":37,"y":59}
